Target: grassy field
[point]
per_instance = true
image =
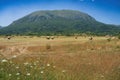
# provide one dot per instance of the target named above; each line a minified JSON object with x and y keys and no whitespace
{"x":63,"y":58}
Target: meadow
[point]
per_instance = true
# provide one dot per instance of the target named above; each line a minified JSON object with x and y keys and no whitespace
{"x":61,"y":58}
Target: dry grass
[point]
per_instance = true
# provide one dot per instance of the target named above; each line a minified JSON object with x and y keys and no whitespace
{"x":69,"y":58}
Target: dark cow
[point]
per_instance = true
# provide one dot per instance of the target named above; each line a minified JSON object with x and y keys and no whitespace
{"x":91,"y":38}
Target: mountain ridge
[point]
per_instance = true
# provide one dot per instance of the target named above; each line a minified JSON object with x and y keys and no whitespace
{"x":64,"y":22}
{"x":0,"y":26}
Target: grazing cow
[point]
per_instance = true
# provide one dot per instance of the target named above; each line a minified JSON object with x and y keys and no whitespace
{"x":48,"y":37}
{"x":76,"y":37}
{"x":91,"y":38}
{"x":52,"y":37}
{"x":9,"y":37}
{"x":25,"y":37}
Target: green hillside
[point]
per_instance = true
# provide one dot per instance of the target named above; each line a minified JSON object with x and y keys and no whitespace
{"x":58,"y":22}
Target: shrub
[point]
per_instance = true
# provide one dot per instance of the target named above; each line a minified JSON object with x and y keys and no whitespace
{"x":118,"y":36}
{"x":48,"y":46}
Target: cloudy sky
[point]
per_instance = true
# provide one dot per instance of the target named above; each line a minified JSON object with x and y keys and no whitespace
{"x":106,"y":11}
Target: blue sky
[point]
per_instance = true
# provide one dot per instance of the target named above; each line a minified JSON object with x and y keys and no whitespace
{"x":106,"y":11}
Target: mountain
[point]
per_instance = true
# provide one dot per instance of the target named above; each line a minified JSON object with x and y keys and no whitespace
{"x":53,"y":22}
{"x":0,"y":27}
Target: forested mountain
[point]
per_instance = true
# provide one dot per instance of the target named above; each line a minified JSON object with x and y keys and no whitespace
{"x":62,"y":22}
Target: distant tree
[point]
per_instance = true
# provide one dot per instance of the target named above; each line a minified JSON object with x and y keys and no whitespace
{"x":118,"y":35}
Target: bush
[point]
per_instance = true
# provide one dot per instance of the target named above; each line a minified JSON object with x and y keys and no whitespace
{"x":118,"y":36}
{"x":48,"y":46}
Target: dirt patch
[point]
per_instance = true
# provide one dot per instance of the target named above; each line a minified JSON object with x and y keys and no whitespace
{"x":9,"y":51}
{"x":2,"y":47}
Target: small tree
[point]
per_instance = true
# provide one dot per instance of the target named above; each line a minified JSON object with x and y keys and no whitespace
{"x":109,"y":39}
{"x":119,"y":36}
{"x":48,"y":46}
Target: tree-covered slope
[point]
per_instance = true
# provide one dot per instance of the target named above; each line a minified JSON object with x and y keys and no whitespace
{"x":65,"y":22}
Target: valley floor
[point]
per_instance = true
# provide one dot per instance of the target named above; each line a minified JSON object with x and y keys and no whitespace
{"x":61,"y":58}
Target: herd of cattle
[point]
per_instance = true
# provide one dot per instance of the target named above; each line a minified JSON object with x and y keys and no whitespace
{"x":109,"y":38}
